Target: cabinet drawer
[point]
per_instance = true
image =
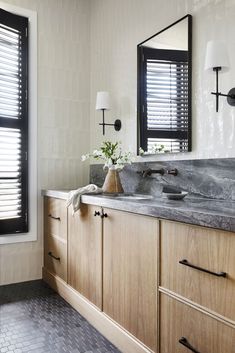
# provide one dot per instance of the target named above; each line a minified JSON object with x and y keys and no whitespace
{"x":205,"y":334}
{"x":55,"y":256}
{"x":207,"y":249}
{"x":55,"y":217}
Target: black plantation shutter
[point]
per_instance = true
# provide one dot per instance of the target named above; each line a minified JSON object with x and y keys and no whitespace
{"x":166,"y":99}
{"x":13,"y":123}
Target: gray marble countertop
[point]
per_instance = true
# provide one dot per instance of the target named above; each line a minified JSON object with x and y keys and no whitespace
{"x":199,"y":211}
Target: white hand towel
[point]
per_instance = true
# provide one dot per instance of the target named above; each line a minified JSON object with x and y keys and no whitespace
{"x":74,"y":196}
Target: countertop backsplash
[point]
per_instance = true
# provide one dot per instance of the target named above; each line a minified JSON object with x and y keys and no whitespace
{"x":207,"y":178}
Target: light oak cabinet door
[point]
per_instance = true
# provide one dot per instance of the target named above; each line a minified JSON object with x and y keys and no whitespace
{"x":130,"y":273}
{"x":85,"y":253}
{"x":182,"y":323}
{"x":207,"y":249}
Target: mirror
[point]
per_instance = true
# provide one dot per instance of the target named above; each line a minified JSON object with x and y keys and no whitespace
{"x":164,"y":90}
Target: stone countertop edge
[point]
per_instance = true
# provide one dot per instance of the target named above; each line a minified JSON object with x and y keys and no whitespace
{"x":180,"y":211}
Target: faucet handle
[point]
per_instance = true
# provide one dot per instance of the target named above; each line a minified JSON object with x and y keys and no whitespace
{"x":172,"y":171}
{"x":149,"y":172}
{"x":146,"y":172}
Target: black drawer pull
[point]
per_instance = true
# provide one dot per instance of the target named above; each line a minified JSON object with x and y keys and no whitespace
{"x":218,"y":274}
{"x":97,"y":213}
{"x":56,"y":218}
{"x":185,"y":343}
{"x":53,"y":256}
{"x":104,"y":215}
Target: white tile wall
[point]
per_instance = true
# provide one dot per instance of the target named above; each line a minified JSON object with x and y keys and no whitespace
{"x":85,"y":46}
{"x":63,"y":115}
{"x":116,"y":29}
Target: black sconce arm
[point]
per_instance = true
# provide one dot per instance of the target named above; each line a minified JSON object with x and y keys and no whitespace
{"x":230,"y":96}
{"x":117,"y":123}
{"x":224,"y":95}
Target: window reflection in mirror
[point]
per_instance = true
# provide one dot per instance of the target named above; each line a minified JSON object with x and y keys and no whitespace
{"x":164,"y":90}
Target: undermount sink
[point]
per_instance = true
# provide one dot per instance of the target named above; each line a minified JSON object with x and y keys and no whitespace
{"x":134,"y":197}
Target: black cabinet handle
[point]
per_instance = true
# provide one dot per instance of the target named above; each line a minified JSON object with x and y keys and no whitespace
{"x":186,"y":344}
{"x":56,"y":218}
{"x":97,"y":213}
{"x":218,"y":274}
{"x":53,"y":256}
{"x":102,"y":215}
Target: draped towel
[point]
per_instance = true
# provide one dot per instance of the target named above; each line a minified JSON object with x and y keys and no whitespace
{"x":74,"y":196}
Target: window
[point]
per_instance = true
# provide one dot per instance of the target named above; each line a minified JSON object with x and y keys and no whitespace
{"x":13,"y":123}
{"x":165,"y":101}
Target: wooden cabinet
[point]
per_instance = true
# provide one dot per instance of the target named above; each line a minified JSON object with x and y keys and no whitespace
{"x":85,"y":253}
{"x":197,"y":285}
{"x":130,"y":273}
{"x":114,"y":260}
{"x":73,"y":247}
{"x":55,"y":237}
{"x":183,"y":246}
{"x":182,"y":326}
{"x":109,"y":258}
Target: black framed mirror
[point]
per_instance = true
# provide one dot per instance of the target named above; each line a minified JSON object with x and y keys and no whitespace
{"x":164,"y":80}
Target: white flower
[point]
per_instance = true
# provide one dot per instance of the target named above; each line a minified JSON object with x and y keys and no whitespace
{"x":85,"y":157}
{"x":112,"y":155}
{"x":97,"y":153}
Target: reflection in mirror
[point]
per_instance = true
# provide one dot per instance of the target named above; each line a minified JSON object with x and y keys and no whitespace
{"x":164,"y":90}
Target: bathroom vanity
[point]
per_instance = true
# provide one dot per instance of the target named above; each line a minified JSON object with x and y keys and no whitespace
{"x":150,"y":275}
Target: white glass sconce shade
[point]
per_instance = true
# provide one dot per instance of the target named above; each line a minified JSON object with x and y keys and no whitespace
{"x":102,"y":101}
{"x":216,"y":55}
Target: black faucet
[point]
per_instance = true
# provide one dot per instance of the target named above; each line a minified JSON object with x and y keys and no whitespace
{"x":150,"y":171}
{"x":161,"y":171}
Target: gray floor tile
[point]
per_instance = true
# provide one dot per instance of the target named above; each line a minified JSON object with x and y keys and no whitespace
{"x":35,"y":319}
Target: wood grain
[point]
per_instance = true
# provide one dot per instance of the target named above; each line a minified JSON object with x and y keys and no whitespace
{"x":210,"y":249}
{"x":85,"y":253}
{"x":130,"y":273}
{"x":112,"y":182}
{"x":58,"y":249}
{"x":205,"y":334}
{"x":55,"y":208}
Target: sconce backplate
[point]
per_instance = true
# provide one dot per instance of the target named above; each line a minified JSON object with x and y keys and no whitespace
{"x":117,"y":125}
{"x":231,"y":98}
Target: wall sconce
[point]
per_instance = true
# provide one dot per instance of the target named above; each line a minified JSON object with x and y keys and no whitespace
{"x":103,"y":103}
{"x":217,"y":60}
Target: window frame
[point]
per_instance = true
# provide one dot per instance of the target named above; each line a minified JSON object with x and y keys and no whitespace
{"x":19,"y":225}
{"x":33,"y":193}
